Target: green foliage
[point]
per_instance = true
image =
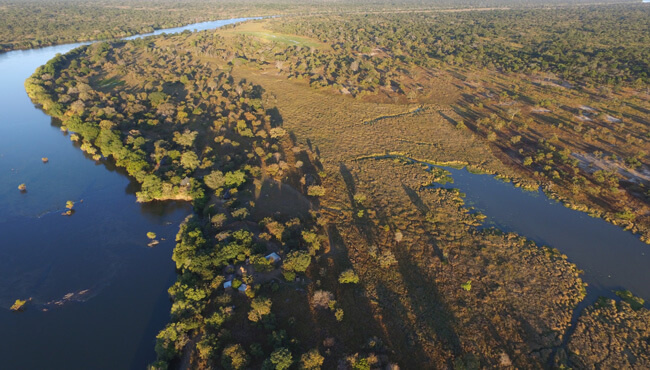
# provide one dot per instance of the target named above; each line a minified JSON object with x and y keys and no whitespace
{"x":635,"y":302}
{"x":234,"y":179}
{"x":348,"y":277}
{"x":467,"y":286}
{"x":240,"y":213}
{"x":215,"y":180}
{"x":297,"y":261}
{"x":361,"y":364}
{"x":190,"y":160}
{"x":185,"y":139}
{"x":260,"y":307}
{"x":289,"y":275}
{"x":338,"y":314}
{"x":315,"y":191}
{"x":311,"y":360}
{"x":170,"y":342}
{"x":260,"y":263}
{"x":234,"y":357}
{"x":156,"y":98}
{"x":281,"y":359}
{"x":312,"y":239}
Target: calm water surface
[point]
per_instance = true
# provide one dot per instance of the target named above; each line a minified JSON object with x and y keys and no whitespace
{"x":116,"y":287}
{"x":611,"y":258}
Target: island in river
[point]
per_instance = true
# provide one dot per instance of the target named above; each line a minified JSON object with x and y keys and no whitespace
{"x":303,"y":251}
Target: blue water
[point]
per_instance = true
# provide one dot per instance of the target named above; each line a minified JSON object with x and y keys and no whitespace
{"x":101,"y":250}
{"x":612,"y":258}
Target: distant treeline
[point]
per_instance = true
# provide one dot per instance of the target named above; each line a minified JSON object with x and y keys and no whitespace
{"x":37,"y":23}
{"x":599,"y":44}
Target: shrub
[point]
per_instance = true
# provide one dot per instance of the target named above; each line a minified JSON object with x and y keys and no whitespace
{"x":321,"y":299}
{"x":281,"y":358}
{"x":218,"y":220}
{"x":316,"y":191}
{"x":311,"y":360}
{"x":297,"y":261}
{"x":214,"y":180}
{"x":348,"y":277}
{"x":260,"y":307}
{"x":234,"y":357}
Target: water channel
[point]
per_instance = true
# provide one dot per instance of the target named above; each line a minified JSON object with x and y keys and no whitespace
{"x":611,"y":258}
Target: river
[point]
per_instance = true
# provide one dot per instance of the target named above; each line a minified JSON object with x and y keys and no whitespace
{"x":98,"y":293}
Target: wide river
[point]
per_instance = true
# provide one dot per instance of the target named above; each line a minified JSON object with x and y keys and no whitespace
{"x":98,"y":293}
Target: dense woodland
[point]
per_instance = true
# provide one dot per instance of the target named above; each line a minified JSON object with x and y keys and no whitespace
{"x":36,"y":23}
{"x":281,"y":145}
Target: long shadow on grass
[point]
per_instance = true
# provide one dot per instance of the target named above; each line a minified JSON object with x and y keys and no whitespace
{"x":425,"y":211}
{"x":276,"y":117}
{"x":428,"y":305}
{"x":363,"y":223}
{"x":358,"y":324}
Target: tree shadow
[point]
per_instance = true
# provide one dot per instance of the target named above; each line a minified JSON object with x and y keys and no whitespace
{"x":348,"y":179}
{"x":416,"y":200}
{"x":276,"y":117}
{"x":428,"y":304}
{"x":358,"y":324}
{"x":362,"y":221}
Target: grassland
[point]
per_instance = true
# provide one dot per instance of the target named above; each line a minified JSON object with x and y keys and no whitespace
{"x":259,"y":30}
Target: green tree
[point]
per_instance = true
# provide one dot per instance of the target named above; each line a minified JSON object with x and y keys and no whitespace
{"x":311,"y":360}
{"x":234,"y":357}
{"x":297,"y":261}
{"x":189,"y":160}
{"x":215,"y":180}
{"x":185,"y":139}
{"x":348,"y":277}
{"x":281,"y":358}
{"x":260,"y":307}
{"x":235,"y":179}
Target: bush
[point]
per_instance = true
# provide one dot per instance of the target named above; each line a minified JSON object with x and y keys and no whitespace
{"x":234,"y":357}
{"x":215,"y":180}
{"x":321,"y":299}
{"x":260,"y":307}
{"x":316,"y":191}
{"x":311,"y":360}
{"x":281,"y":358}
{"x":297,"y":261}
{"x":348,"y":277}
{"x":235,"y":179}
